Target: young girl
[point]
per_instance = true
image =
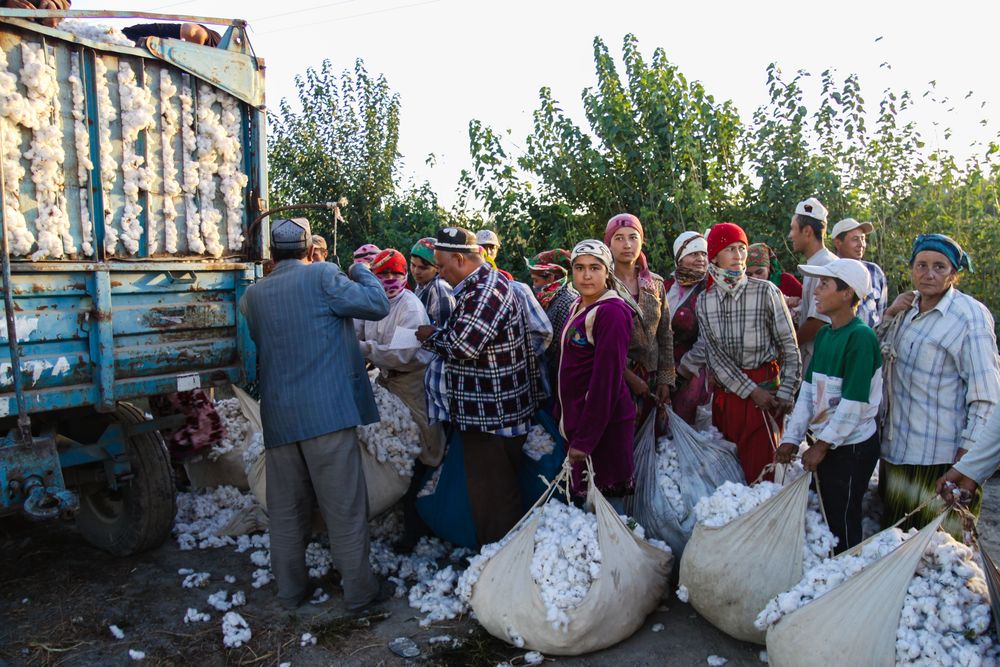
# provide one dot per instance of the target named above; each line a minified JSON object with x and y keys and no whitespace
{"x":595,"y":410}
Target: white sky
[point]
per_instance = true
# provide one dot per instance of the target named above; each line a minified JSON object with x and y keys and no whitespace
{"x":454,"y":60}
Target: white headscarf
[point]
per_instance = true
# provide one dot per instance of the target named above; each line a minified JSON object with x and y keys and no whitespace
{"x":695,"y":243}
{"x":597,"y":249}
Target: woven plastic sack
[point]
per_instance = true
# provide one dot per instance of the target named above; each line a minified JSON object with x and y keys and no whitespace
{"x":731,"y":572}
{"x":443,"y":502}
{"x":632,"y":581}
{"x":385,"y":486}
{"x":705,"y":464}
{"x":532,"y":472}
{"x":856,"y":622}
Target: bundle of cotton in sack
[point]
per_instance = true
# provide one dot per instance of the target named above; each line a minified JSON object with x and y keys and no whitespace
{"x":389,"y":448}
{"x":751,"y":543}
{"x":674,"y":473}
{"x":917,"y":598}
{"x":565,"y":581}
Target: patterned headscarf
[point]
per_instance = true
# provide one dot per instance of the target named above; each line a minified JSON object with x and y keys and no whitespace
{"x":760,"y":254}
{"x":389,"y":260}
{"x":556,"y":260}
{"x":366,"y":253}
{"x":642,"y":264}
{"x":944,"y":245}
{"x":424,"y":249}
{"x":594,"y":248}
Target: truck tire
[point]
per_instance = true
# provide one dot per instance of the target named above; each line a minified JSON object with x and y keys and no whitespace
{"x":139,"y":515}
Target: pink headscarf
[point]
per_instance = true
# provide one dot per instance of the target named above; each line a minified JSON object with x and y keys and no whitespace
{"x":642,"y":264}
{"x":366,"y":253}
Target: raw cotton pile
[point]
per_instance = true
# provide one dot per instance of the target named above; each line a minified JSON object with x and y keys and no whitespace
{"x":539,"y":443}
{"x":14,"y":111}
{"x":668,"y":473}
{"x":945,"y":618}
{"x":733,"y":500}
{"x":84,"y":165}
{"x":137,"y":113}
{"x":240,"y":434}
{"x":201,"y":514}
{"x":235,"y":631}
{"x":190,"y":179}
{"x":168,"y":131}
{"x":95,"y":32}
{"x":210,"y":135}
{"x":395,"y":439}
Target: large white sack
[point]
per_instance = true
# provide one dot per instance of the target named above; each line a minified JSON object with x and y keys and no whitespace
{"x":705,"y":463}
{"x":385,"y":485}
{"x":632,"y":581}
{"x":731,"y":572}
{"x":856,"y":622}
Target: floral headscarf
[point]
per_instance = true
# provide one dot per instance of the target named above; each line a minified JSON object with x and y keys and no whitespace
{"x":760,"y":254}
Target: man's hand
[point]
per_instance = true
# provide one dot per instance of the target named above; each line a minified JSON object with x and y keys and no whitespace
{"x":903,"y":302}
{"x":786,"y":452}
{"x":576,"y":455}
{"x":424,"y":331}
{"x":954,"y":487}
{"x":815,"y":455}
{"x":764,"y":399}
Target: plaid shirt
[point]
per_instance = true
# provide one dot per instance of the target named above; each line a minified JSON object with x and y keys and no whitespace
{"x":872,"y":307}
{"x":491,"y":374}
{"x":943,"y":379}
{"x":746,"y":331}
{"x":437,"y":298}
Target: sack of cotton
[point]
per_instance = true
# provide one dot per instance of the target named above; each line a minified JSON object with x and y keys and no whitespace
{"x":673,"y":473}
{"x":916,"y":598}
{"x":565,"y":580}
{"x":749,"y":544}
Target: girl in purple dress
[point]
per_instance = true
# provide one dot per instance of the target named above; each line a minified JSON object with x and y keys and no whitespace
{"x":595,"y":410}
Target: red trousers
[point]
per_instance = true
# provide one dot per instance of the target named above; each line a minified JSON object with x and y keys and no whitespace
{"x":742,"y":422}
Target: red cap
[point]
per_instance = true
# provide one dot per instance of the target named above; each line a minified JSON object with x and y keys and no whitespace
{"x":723,"y":235}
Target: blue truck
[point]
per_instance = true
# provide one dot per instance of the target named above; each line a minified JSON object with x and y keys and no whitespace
{"x":132,"y":185}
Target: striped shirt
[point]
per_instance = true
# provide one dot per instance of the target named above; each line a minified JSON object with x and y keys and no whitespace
{"x":943,"y":379}
{"x":746,"y":330}
{"x":872,"y":307}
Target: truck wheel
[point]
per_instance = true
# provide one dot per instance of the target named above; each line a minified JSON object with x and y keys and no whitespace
{"x":140,"y":513}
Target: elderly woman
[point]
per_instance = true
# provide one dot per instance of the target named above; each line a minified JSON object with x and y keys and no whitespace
{"x":650,"y":374}
{"x":942,"y":378}
{"x":595,"y":411}
{"x":683,"y":288}
{"x":751,"y":351}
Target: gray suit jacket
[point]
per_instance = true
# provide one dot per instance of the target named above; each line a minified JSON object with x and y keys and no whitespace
{"x":312,"y":376}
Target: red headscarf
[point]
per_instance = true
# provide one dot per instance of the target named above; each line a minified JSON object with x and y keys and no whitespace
{"x":642,"y":264}
{"x":389,"y":261}
{"x":723,"y":235}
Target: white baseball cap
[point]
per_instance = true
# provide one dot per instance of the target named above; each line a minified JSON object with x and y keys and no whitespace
{"x":851,"y":271}
{"x":849,"y":224}
{"x":812,"y":208}
{"x":487,"y":237}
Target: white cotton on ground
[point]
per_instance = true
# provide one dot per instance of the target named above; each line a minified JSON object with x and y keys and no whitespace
{"x":136,"y":654}
{"x":395,"y":438}
{"x":200,"y":515}
{"x":116,"y":632}
{"x":235,"y":630}
{"x":683,"y":594}
{"x":717,"y":660}
{"x":195,"y":616}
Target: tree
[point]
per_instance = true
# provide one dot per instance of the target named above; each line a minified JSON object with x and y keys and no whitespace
{"x":341,"y":142}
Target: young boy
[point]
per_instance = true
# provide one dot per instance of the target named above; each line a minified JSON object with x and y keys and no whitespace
{"x":431,"y":289}
{"x":839,"y":399}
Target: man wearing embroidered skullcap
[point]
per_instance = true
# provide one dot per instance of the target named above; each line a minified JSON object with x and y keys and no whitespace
{"x":750,"y":345}
{"x":807,"y":234}
{"x":491,"y":384}
{"x":314,"y":392}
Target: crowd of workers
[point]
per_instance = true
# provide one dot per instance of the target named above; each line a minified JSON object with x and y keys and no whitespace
{"x":602,"y":342}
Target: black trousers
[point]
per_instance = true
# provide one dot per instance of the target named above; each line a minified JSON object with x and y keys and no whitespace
{"x":843,"y":480}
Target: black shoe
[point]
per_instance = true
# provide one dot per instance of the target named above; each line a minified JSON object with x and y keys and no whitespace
{"x":386,"y":591}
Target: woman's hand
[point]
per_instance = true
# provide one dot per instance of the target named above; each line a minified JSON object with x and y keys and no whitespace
{"x":663,"y":395}
{"x":636,"y":384}
{"x":903,"y":302}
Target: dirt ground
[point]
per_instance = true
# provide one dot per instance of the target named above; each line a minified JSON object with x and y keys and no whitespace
{"x":59,"y":595}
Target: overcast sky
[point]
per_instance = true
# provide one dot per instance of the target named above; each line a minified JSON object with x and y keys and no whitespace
{"x":454,"y":60}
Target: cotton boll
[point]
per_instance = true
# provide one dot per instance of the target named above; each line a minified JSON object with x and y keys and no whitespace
{"x":168,"y":132}
{"x":200,"y":515}
{"x":135,"y":654}
{"x":195,"y":616}
{"x":668,"y":475}
{"x":196,"y":580}
{"x":682,"y":593}
{"x":538,"y":443}
{"x":81,"y":140}
{"x":210,"y":135}
{"x":235,"y":630}
{"x":116,"y":632}
{"x":191,"y":177}
{"x":137,"y":113}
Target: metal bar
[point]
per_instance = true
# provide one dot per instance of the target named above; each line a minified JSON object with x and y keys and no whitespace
{"x":142,"y":149}
{"x":245,"y":347}
{"x":113,"y":14}
{"x":97,"y":216}
{"x":23,"y":420}
{"x":104,"y":359}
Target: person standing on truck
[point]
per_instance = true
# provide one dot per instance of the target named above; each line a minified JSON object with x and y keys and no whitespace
{"x":314,"y":392}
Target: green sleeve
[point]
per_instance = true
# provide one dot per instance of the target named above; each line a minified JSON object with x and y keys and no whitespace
{"x":861,"y":359}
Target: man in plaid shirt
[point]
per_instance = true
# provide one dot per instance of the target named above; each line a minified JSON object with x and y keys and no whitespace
{"x":492,"y":376}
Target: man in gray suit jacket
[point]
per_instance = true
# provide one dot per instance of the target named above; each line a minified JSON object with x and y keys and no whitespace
{"x":314,"y":392}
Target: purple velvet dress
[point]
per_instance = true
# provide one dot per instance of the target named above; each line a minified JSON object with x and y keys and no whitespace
{"x":595,"y":410}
